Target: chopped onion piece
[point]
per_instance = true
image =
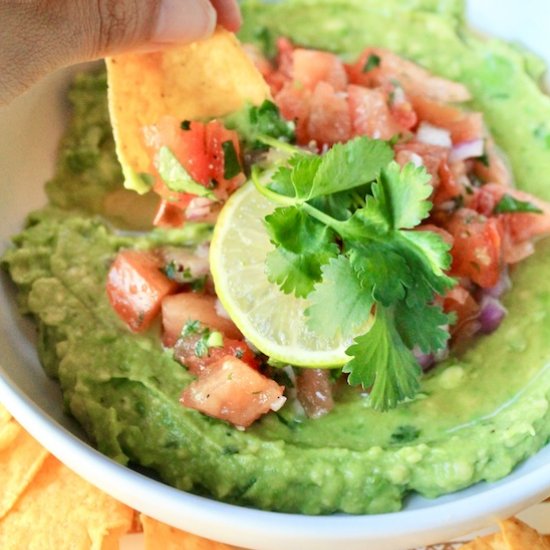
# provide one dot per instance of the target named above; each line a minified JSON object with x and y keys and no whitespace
{"x":467,"y":150}
{"x":492,"y":314}
{"x":275,"y":406}
{"x":504,"y":284}
{"x":425,"y":360}
{"x":220,"y":310}
{"x":433,"y":135}
{"x":198,"y":208}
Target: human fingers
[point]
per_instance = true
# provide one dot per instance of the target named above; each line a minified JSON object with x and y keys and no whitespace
{"x":39,"y":36}
{"x":229,"y":14}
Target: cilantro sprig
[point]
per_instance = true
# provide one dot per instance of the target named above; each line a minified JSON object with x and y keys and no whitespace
{"x":343,"y":238}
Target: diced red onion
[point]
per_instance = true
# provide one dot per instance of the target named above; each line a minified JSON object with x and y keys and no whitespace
{"x":491,"y":315}
{"x":425,"y":360}
{"x":504,"y":284}
{"x":467,"y":150}
{"x":198,"y":208}
{"x":433,"y":135}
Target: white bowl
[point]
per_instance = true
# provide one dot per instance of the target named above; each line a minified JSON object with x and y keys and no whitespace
{"x":29,"y":130}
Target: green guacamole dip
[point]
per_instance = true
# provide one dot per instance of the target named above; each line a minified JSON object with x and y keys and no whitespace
{"x":477,"y":416}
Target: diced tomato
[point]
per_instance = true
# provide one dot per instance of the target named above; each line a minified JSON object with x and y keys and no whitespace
{"x":185,"y":351}
{"x":200,"y":149}
{"x":315,"y":392}
{"x":449,"y":186}
{"x":431,"y":155}
{"x":216,"y":135}
{"x":370,"y":113}
{"x":329,"y":118}
{"x":460,"y":302}
{"x":230,"y":390}
{"x":517,"y":229}
{"x":282,"y":74}
{"x":413,"y":78}
{"x":294,"y":105}
{"x":463,"y":125}
{"x":180,"y":308}
{"x":404,"y":114}
{"x":136,"y":287}
{"x":477,"y":247}
{"x":310,"y":67}
{"x":168,"y":215}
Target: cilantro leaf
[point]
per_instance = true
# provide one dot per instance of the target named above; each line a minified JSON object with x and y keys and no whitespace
{"x":338,"y":303}
{"x":371,"y":63}
{"x":344,"y":167}
{"x":509,"y":204}
{"x":402,"y":195}
{"x":382,"y":271}
{"x":382,"y":362}
{"x":176,"y":177}
{"x":303,"y":244}
{"x":253,"y":122}
{"x":422,"y":325}
{"x":231,"y":163}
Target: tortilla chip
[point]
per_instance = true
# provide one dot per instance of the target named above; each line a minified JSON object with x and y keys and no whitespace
{"x":61,"y":511}
{"x":206,"y":79}
{"x":488,"y":542}
{"x":20,"y":458}
{"x":5,"y":415}
{"x":520,"y":536}
{"x":159,"y":535}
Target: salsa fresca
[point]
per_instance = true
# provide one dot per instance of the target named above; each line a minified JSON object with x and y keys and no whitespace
{"x":319,"y":101}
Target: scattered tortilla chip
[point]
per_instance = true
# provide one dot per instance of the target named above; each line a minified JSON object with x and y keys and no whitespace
{"x":20,"y":458}
{"x":5,"y":415}
{"x":159,"y":535}
{"x":514,"y":535}
{"x":61,"y":511}
{"x":520,"y":536}
{"x":206,"y":79}
{"x":480,"y":543}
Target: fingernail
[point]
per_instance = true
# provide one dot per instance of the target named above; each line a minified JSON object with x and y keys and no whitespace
{"x":184,"y":21}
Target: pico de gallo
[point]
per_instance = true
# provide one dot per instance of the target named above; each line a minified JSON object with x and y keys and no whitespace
{"x":319,"y":101}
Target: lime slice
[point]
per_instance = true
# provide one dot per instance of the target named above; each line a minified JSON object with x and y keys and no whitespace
{"x":273,"y":321}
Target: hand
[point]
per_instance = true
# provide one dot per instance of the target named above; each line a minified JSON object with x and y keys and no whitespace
{"x":39,"y":36}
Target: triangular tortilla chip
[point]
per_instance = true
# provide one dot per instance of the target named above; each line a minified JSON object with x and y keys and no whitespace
{"x":520,"y":536}
{"x":61,"y":511}
{"x":20,"y":458}
{"x":206,"y":79}
{"x":159,"y":535}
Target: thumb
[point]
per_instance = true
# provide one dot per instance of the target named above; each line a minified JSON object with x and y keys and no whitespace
{"x":39,"y":36}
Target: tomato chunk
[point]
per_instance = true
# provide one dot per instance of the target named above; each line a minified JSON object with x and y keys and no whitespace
{"x":136,"y":287}
{"x":329,"y":118}
{"x":216,"y":136}
{"x":230,"y":390}
{"x":370,"y":113}
{"x":180,"y":308}
{"x":477,"y":247}
{"x":198,"y":361}
{"x":311,"y":67}
{"x":460,"y":302}
{"x":463,"y":125}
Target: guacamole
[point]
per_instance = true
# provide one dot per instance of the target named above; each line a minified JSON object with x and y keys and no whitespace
{"x":477,"y":416}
